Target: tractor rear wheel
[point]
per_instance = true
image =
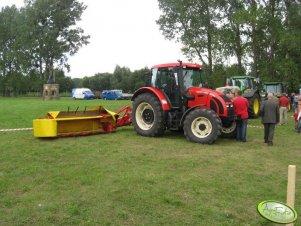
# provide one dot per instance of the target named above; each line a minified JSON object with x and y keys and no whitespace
{"x":254,"y":106}
{"x":202,"y":126}
{"x":147,"y":115}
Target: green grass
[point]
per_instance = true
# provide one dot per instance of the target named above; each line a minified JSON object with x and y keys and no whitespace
{"x":126,"y":179}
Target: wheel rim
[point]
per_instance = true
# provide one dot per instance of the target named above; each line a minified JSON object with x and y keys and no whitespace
{"x":201,"y":127}
{"x":229,"y":129}
{"x":256,"y":106}
{"x":145,"y":116}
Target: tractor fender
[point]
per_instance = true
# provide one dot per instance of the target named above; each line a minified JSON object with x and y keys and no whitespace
{"x":161,"y":97}
{"x":250,"y":93}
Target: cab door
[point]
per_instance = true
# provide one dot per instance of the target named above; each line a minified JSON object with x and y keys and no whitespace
{"x":166,"y":80}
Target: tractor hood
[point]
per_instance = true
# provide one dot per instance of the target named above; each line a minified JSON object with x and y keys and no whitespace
{"x":226,"y":89}
{"x":212,"y":99}
{"x":202,"y":91}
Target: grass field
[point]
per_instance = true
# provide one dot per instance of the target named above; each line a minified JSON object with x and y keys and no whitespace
{"x":126,"y":179}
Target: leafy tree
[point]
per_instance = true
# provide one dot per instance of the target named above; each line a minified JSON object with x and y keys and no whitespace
{"x":66,"y":83}
{"x":290,"y":44}
{"x":104,"y":81}
{"x":138,"y":79}
{"x":52,"y":35}
{"x":35,"y":84}
{"x":232,"y":32}
{"x":120,"y":79}
{"x":9,"y":64}
{"x":195,"y":24}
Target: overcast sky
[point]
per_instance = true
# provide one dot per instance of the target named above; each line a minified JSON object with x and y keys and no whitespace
{"x":124,"y":33}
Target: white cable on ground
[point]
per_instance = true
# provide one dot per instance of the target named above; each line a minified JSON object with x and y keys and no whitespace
{"x":252,"y":126}
{"x":18,"y":129}
{"x":24,"y":129}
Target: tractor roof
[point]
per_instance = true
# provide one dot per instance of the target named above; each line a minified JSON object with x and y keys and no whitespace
{"x":242,"y":77}
{"x":190,"y":65}
{"x":272,"y":83}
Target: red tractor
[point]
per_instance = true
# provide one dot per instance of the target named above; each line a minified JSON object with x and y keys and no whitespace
{"x":174,"y":100}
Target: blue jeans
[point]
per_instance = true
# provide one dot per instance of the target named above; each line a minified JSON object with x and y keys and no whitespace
{"x":241,"y":131}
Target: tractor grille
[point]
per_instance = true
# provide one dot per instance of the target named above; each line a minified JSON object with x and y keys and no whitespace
{"x":229,"y":106}
{"x":230,"y":111}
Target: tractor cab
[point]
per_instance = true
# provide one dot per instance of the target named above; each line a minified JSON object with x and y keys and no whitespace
{"x":245,"y":83}
{"x":175,"y":79}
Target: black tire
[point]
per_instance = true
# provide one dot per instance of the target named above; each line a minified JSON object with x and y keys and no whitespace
{"x":229,"y":130}
{"x":148,"y":116}
{"x":254,"y":106}
{"x":202,"y":126}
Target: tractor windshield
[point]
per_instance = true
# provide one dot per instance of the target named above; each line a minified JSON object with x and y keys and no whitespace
{"x":163,"y":77}
{"x":273,"y":88}
{"x":242,"y":83}
{"x":191,"y":77}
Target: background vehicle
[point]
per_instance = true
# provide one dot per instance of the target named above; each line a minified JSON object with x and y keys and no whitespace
{"x":82,"y":93}
{"x":277,"y":88}
{"x":274,"y":87}
{"x":115,"y":94}
{"x":173,"y":100}
{"x":251,"y":88}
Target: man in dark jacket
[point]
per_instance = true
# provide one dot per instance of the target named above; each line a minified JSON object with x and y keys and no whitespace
{"x":269,"y":110}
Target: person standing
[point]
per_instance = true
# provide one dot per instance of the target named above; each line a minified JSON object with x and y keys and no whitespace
{"x":283,"y":107}
{"x":241,"y":106}
{"x":269,"y":112}
{"x":296,"y":101}
{"x":297,"y":119}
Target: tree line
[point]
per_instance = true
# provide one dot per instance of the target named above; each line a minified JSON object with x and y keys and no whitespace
{"x":122,"y":78}
{"x":263,"y":36}
{"x":229,"y":37}
{"x":36,"y":41}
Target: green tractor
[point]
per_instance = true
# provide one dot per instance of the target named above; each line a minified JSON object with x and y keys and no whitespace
{"x":276,"y":88}
{"x":251,"y":88}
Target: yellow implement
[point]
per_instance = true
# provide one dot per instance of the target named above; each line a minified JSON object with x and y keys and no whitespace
{"x":75,"y":123}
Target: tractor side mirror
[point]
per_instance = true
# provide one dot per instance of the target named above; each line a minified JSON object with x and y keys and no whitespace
{"x":148,"y":77}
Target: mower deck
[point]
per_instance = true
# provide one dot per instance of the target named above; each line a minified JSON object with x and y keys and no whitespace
{"x":78,"y":123}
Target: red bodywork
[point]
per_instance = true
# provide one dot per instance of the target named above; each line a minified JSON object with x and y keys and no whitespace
{"x":157,"y":92}
{"x":208,"y":98}
{"x":190,"y":65}
{"x":203,"y":98}
{"x":124,"y":116}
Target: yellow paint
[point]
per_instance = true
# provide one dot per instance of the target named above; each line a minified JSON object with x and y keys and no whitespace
{"x":44,"y":128}
{"x":59,"y":123}
{"x":256,"y":106}
{"x":53,"y":114}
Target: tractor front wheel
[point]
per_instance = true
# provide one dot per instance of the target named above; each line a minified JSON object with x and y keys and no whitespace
{"x":202,"y":126}
{"x":147,"y":115}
